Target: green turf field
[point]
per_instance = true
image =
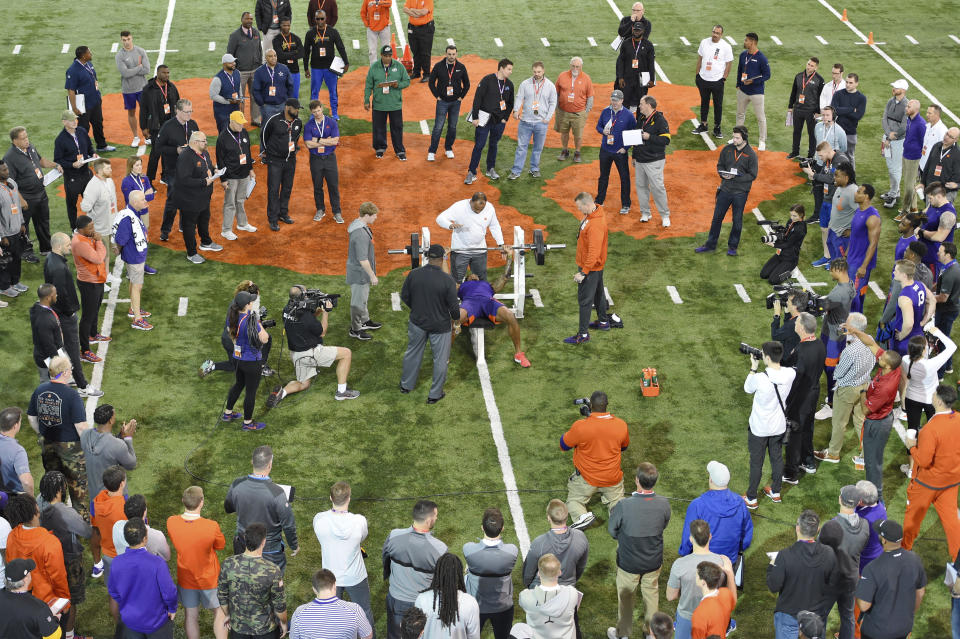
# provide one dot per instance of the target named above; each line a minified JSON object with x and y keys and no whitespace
{"x":393,"y":448}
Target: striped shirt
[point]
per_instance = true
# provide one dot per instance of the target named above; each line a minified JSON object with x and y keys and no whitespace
{"x":856,"y":362}
{"x":330,"y":618}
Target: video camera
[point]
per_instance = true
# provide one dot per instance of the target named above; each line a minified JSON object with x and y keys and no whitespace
{"x":584,"y":404}
{"x":815,"y":304}
{"x":311,"y":300}
{"x":266,"y":323}
{"x":775,"y":231}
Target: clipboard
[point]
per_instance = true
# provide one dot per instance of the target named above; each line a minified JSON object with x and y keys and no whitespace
{"x":337,"y":66}
{"x":633,"y":137}
{"x":482,"y":117}
{"x":81,"y":103}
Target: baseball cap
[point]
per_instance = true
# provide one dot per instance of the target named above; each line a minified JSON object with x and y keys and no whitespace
{"x":719,"y":474}
{"x":227,"y":57}
{"x":68,"y":116}
{"x":900,"y":84}
{"x":811,"y":625}
{"x":435,"y":250}
{"x":237,"y":116}
{"x":889,"y":530}
{"x":616,"y":95}
{"x":849,"y":496}
{"x":19,"y":568}
{"x":243,"y":298}
{"x":292,"y":102}
{"x":386,"y":50}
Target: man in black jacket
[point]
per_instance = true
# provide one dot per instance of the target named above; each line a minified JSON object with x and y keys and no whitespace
{"x":269,"y":13}
{"x":808,"y":358}
{"x":649,"y":159}
{"x":625,"y":28}
{"x":45,"y":328}
{"x":778,"y":268}
{"x":637,"y":523}
{"x":449,"y":84}
{"x":804,"y":104}
{"x":195,"y":177}
{"x":944,"y":164}
{"x":289,"y":50}
{"x":171,"y":141}
{"x":801,"y":576}
{"x":158,"y":103}
{"x":431,"y":296}
{"x":787,"y":334}
{"x":70,"y":150}
{"x":636,"y":60}
{"x":737,"y":167}
{"x":233,"y":154}
{"x":494,"y":95}
{"x":323,"y":43}
{"x":278,"y":143}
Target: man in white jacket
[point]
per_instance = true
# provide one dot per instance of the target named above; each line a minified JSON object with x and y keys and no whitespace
{"x":550,"y":606}
{"x":768,"y":421}
{"x":469,"y":221}
{"x":340,"y":534}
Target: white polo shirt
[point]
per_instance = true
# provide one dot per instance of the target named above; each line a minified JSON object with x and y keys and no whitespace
{"x":933,"y":135}
{"x":714,"y":58}
{"x":472,"y":235}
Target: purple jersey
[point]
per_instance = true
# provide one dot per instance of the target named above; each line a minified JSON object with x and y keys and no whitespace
{"x":917,"y":294}
{"x":475,"y":289}
{"x":478,"y":301}
{"x":933,"y":223}
{"x":860,"y":240}
{"x":900,"y":250}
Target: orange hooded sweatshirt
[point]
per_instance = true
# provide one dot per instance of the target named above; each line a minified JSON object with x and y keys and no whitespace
{"x":107,"y":511}
{"x":592,"y":242}
{"x":40,"y":545}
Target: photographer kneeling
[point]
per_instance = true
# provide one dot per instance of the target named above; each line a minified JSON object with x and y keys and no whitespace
{"x":305,"y":339}
{"x":787,"y":242}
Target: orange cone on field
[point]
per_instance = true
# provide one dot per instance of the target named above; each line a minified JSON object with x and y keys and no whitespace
{"x":407,"y":60}
{"x":844,"y":18}
{"x":393,"y":45}
{"x":870,"y":38}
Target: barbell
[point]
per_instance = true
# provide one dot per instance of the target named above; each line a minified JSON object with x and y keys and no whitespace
{"x":420,"y":243}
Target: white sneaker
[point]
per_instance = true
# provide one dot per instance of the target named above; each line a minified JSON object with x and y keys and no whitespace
{"x":612,"y":634}
{"x":902,"y":416}
{"x":90,"y":391}
{"x":905,"y":469}
{"x":762,"y":146}
{"x":449,"y":154}
{"x":583,"y":520}
{"x":826,"y":412}
{"x":431,"y":157}
{"x":229,"y":235}
{"x":666,"y":222}
{"x":212,"y":246}
{"x":645,"y":217}
{"x":248,"y":228}
{"x":135,"y":143}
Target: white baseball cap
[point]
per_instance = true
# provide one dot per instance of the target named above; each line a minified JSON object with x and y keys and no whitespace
{"x":227,"y":57}
{"x":900,"y":84}
{"x":719,"y":473}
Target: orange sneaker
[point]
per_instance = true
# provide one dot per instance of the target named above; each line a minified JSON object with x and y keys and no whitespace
{"x":521,"y":358}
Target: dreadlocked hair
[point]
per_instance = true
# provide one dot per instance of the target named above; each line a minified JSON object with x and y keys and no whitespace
{"x":53,"y":485}
{"x":447,"y":580}
{"x":21,"y":509}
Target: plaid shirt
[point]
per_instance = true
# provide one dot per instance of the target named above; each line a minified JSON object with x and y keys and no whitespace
{"x":856,"y":362}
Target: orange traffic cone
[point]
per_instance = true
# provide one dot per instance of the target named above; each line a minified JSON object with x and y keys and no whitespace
{"x":844,"y":18}
{"x":393,"y":44}
{"x":870,"y":38}
{"x":407,"y":60}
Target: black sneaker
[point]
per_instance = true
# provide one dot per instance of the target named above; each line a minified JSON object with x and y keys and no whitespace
{"x":370,"y":325}
{"x":30,"y":258}
{"x":717,"y":133}
{"x":808,"y":468}
{"x":164,"y":237}
{"x":700,"y":129}
{"x":360,"y":335}
{"x":793,"y":155}
{"x":379,"y":154}
{"x":275,"y":396}
{"x":266,"y":371}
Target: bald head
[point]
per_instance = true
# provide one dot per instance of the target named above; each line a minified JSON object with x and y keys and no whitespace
{"x":60,"y":244}
{"x":138,"y":201}
{"x":913,"y":108}
{"x":637,"y":9}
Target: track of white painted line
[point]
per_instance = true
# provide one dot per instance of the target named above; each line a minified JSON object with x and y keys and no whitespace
{"x":705,"y":136}
{"x":545,"y":42}
{"x":776,"y":41}
{"x":211,"y":46}
{"x":877,"y":290}
{"x":892,"y":63}
{"x":685,"y":42}
{"x":742,"y":292}
{"x":395,"y":301}
{"x":114,"y":47}
{"x":424,"y":128}
{"x":821,"y":40}
{"x":182,"y":306}
{"x":616,"y":9}
{"x":911,"y":39}
{"x":730,"y":40}
{"x":356,"y":44}
{"x":537,"y":300}
{"x":498,"y":42}
{"x":64,"y":48}
{"x":401,"y":32}
{"x":119,"y":301}
{"x":592,"y":42}
{"x":142,"y":149}
{"x":96,"y":379}
{"x":606,"y":293}
{"x":16,"y":49}
{"x":674,"y":295}
{"x":165,"y":35}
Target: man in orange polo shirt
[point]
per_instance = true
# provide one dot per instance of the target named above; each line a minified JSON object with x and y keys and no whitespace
{"x":936,"y":471}
{"x":712,"y":614}
{"x":420,"y":30}
{"x":574,"y":101}
{"x":597,"y":441}
{"x":375,"y":15}
{"x":591,"y":258}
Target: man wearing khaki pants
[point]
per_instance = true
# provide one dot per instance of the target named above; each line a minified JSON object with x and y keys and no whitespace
{"x":233,"y":153}
{"x":574,"y":101}
{"x":598,"y":442}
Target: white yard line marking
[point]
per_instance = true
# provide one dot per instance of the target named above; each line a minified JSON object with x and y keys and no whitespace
{"x":356,"y":44}
{"x":615,"y":45}
{"x":65,"y":48}
{"x":674,"y":295}
{"x":119,"y":301}
{"x":16,"y":49}
{"x":498,"y":42}
{"x":616,"y":9}
{"x":877,"y":290}
{"x":705,"y":136}
{"x":757,"y":213}
{"x":537,"y":300}
{"x":685,"y":42}
{"x":892,"y":63}
{"x":955,"y":38}
{"x":730,"y":40}
{"x":901,"y":431}
{"x":911,"y":39}
{"x":776,"y":41}
{"x":821,"y":40}
{"x":395,"y":301}
{"x":401,"y":32}
{"x":96,"y":379}
{"x":424,"y":128}
{"x":211,"y":46}
{"x":545,"y":42}
{"x":450,"y":42}
{"x":659,"y":70}
{"x":606,"y":293}
{"x":114,"y":47}
{"x":742,"y":292}
{"x":182,"y":306}
{"x":592,"y":42}
{"x":158,"y":50}
{"x":142,"y":149}
{"x":165,"y":35}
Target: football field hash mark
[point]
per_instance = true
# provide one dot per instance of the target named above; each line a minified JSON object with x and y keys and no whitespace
{"x":395,"y":301}
{"x":592,"y":42}
{"x":674,"y":295}
{"x":821,"y":40}
{"x":911,"y":39}
{"x":877,"y":290}
{"x":776,"y":40}
{"x":685,"y":42}
{"x":742,"y":292}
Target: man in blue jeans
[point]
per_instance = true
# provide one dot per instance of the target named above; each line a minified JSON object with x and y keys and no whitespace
{"x":737,"y":166}
{"x":614,"y":120}
{"x":533,"y":107}
{"x":492,"y":99}
{"x":449,"y":84}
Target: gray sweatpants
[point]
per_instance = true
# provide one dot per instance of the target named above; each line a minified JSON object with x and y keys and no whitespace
{"x":359,"y":294}
{"x":459,"y":262}
{"x":234,"y":194}
{"x":413,"y":357}
{"x":648,"y":178}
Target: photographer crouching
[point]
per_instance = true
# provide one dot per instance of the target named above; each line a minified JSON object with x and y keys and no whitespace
{"x":787,"y":241}
{"x":305,"y":334}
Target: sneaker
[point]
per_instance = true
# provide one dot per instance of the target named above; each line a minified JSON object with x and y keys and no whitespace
{"x":266,"y":371}
{"x":615,"y":321}
{"x":732,"y":626}
{"x":370,"y":325}
{"x":90,"y":356}
{"x":276,"y":395}
{"x":449,"y":153}
{"x":790,"y":480}
{"x":164,"y":237}
{"x":379,"y":155}
{"x":645,"y":217}
{"x":143,"y":314}
{"x":320,"y":214}
{"x":577,"y":339}
{"x":889,"y":204}
{"x":900,"y":414}
{"x":583,"y":521}
{"x":196,"y":258}
{"x":90,"y":391}
{"x":825,"y":412}
{"x":274,"y":226}
{"x":521,"y":358}
{"x":751,"y":503}
{"x":793,"y":155}
{"x":96,"y":339}
{"x":534,"y":173}
{"x":10,"y":292}
{"x":624,"y":210}
{"x":731,"y":252}
{"x":666,"y":222}
{"x":207,"y":367}
{"x":700,"y":129}
{"x":858,"y":462}
{"x":230,"y":416}
{"x":97,"y":571}
{"x":492,"y":174}
{"x":434,"y":400}
{"x":513,"y":176}
{"x":760,"y":147}
{"x":21,"y":288}
{"x":600,"y":326}
{"x":135,"y":143}
{"x":402,"y":389}
{"x":106,"y":149}
{"x":823,"y":261}
{"x":807,"y":468}
{"x":612,"y":634}
{"x":825,"y":456}
{"x":4,"y":304}
{"x":338,"y":218}
{"x":431,"y":157}
{"x":149,"y":270}
{"x":774,"y":497}
{"x":564,"y":155}
{"x":347,"y":394}
{"x":905,"y":469}
{"x":949,"y":371}
{"x":361,"y":335}
{"x":704,"y":249}
{"x":229,"y":235}
{"x":717,"y":133}
{"x":142,"y":325}
{"x":253,"y":426}
{"x":402,"y":156}
{"x":576,"y":157}
{"x":249,"y":228}
{"x":30,"y":258}
{"x":900,"y":217}
{"x":471,"y":178}
{"x":212,"y":246}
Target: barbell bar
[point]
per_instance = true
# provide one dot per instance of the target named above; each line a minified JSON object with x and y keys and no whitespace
{"x":417,"y":248}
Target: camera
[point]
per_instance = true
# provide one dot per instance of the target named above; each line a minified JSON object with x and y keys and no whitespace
{"x":804,"y":163}
{"x":780,"y":292}
{"x":266,"y":323}
{"x":311,"y":300}
{"x":746,"y":349}
{"x":775,"y":231}
{"x":584,"y":404}
{"x":806,"y":302}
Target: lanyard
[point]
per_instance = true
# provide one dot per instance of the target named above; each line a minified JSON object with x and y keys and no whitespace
{"x":237,"y":138}
{"x":202,"y":157}
{"x":52,"y":311}
{"x":271,"y":72}
{"x":648,"y":120}
{"x":836,"y":86}
{"x":138,"y":181}
{"x":636,"y":49}
{"x":386,"y":70}
{"x":501,"y":87}
{"x":76,"y":141}
{"x":319,"y":125}
{"x":944,"y":154}
{"x":287,"y":44}
{"x":9,"y":193}
{"x":537,"y":89}
{"x":90,"y":70}
{"x":737,"y":156}
{"x":34,"y":163}
{"x":614,"y":117}
{"x":452,"y":68}
{"x":232,"y":83}
{"x":804,"y":81}
{"x":163,"y":91}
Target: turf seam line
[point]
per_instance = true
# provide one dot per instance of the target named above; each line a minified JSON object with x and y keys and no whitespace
{"x":119,"y":301}
{"x":742,"y":292}
{"x":162,"y":52}
{"x":616,"y":9}
{"x":877,"y":291}
{"x":182,"y":306}
{"x":401,"y":34}
{"x":674,"y":295}
{"x":96,"y":379}
{"x":395,"y":301}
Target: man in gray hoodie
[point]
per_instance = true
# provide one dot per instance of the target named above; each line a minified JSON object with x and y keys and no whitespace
{"x":856,"y":534}
{"x":361,"y":271}
{"x":102,"y":450}
{"x":551,"y":607}
{"x":134,"y":67}
{"x":490,"y":564}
